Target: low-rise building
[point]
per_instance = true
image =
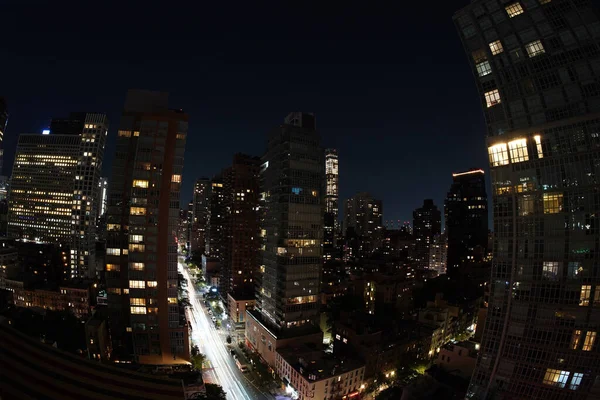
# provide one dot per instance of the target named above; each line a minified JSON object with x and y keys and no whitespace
{"x":73,"y":298}
{"x":309,"y":373}
{"x":236,"y":308}
{"x":458,"y":358}
{"x":263,"y":341}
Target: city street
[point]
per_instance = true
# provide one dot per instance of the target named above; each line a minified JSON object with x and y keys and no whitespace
{"x":220,"y":368}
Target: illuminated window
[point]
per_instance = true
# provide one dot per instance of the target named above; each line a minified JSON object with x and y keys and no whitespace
{"x":128,"y":329}
{"x":518,"y":150}
{"x":584,"y":296}
{"x":180,"y":136}
{"x":136,"y":133}
{"x":137,"y":284}
{"x":136,"y":247}
{"x":114,"y":290}
{"x":534,"y":48}
{"x":176,"y":178}
{"x":124,"y":133}
{"x":138,"y":310}
{"x":538,"y":146}
{"x":577,"y":376}
{"x":136,"y":238}
{"x":483,"y":68}
{"x":556,"y":377}
{"x":492,"y":98}
{"x":113,"y":227}
{"x":553,"y":203}
{"x":140,"y":183}
{"x":479,"y":56}
{"x":172,"y":300}
{"x":138,"y":211}
{"x":498,"y":154}
{"x":113,"y":252}
{"x":496,"y":47}
{"x":550,"y":270}
{"x":590,"y":338}
{"x":526,"y":205}
{"x":113,"y":267}
{"x":575,"y":339}
{"x":145,"y":166}
{"x":152,"y":284}
{"x":137,"y":301}
{"x":152,"y":310}
{"x":514,"y":9}
{"x":137,"y":266}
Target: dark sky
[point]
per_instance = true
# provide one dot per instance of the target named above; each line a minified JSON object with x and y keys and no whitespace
{"x":389,"y":84}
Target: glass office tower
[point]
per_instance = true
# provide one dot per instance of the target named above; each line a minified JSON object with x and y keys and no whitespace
{"x":537,"y":68}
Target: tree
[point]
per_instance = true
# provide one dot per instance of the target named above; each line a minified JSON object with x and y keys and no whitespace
{"x":198,"y":361}
{"x":195,"y":350}
{"x":218,"y":310}
{"x":213,"y":392}
{"x":228,"y":339}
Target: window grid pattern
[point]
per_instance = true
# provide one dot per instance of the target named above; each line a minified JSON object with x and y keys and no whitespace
{"x":514,"y":9}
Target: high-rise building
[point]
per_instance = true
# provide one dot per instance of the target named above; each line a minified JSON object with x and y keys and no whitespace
{"x":216,"y":217}
{"x":103,"y":188}
{"x":466,"y":216}
{"x":3,"y":123}
{"x":292,"y":188}
{"x":54,"y":196}
{"x":200,"y":211}
{"x":427,"y":222}
{"x":241,"y":244}
{"x":537,"y":67}
{"x":330,"y":219}
{"x":141,"y":249}
{"x":438,"y":250}
{"x":364,"y":216}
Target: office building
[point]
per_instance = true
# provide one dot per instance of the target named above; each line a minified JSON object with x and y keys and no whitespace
{"x":145,"y":317}
{"x":216,"y":217}
{"x":427,"y":222}
{"x":292,"y":259}
{"x":330,"y":219}
{"x":363,"y":215}
{"x":241,"y":234}
{"x":466,"y":216}
{"x":54,"y":196}
{"x":200,"y":211}
{"x":438,"y":253}
{"x":3,"y":123}
{"x":537,"y":66}
{"x":103,"y":196}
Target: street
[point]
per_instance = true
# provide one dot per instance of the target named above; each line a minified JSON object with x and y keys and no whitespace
{"x":223,"y":370}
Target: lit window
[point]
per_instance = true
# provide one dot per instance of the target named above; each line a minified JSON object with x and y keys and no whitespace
{"x":176,"y":178}
{"x":496,"y":47}
{"x":296,"y":190}
{"x":556,"y":377}
{"x":538,"y":146}
{"x":113,"y":252}
{"x":136,"y":247}
{"x":526,"y":205}
{"x":553,"y":203}
{"x":138,"y":211}
{"x":180,"y":136}
{"x":136,"y":133}
{"x":137,"y":284}
{"x":136,"y":238}
{"x":590,"y":338}
{"x":140,"y":183}
{"x":113,"y":267}
{"x":483,"y":68}
{"x":124,"y":133}
{"x":492,"y":98}
{"x":584,"y":296}
{"x":498,"y":154}
{"x":152,"y":284}
{"x":534,"y":48}
{"x":518,"y":150}
{"x":152,"y":310}
{"x":514,"y":9}
{"x":550,"y":270}
{"x":597,"y":296}
{"x":577,"y":376}
{"x":575,"y":339}
{"x":138,"y":310}
{"x":479,"y":56}
{"x":137,"y":266}
{"x":172,"y":300}
{"x":137,"y":301}
{"x":128,"y":329}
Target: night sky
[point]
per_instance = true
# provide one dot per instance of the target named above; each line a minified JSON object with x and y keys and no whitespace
{"x":390,"y":84}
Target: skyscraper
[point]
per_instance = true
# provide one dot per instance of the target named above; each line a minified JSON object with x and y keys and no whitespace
{"x":427,"y":222}
{"x":3,"y":123}
{"x":200,"y":199}
{"x":364,"y":215}
{"x":466,"y":216}
{"x":216,"y":217}
{"x":331,"y":203}
{"x":143,"y":208}
{"x":241,"y":244}
{"x":292,"y":189}
{"x":54,"y":196}
{"x":537,"y":67}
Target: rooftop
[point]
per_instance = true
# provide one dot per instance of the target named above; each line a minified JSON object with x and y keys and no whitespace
{"x":316,"y":365}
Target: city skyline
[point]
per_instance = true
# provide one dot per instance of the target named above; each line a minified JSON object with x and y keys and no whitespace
{"x":372,"y":107}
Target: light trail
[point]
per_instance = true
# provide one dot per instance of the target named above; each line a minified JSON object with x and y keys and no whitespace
{"x":206,"y":336}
